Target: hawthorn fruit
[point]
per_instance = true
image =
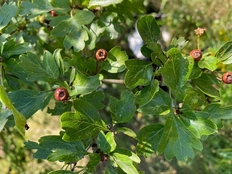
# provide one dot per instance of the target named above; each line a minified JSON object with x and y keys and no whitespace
{"x":61,"y":94}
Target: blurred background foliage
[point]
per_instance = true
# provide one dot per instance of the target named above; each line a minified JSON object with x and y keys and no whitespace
{"x":177,"y":18}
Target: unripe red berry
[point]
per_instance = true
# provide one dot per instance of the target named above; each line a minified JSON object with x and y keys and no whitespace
{"x":196,"y":54}
{"x":61,"y":94}
{"x":53,"y":13}
{"x":104,"y":157}
{"x":227,"y":77}
{"x":101,"y":54}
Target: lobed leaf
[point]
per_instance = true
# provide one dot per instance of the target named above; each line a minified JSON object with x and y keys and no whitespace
{"x":216,"y":111}
{"x":11,"y":48}
{"x":95,"y":98}
{"x":29,"y":101}
{"x":145,"y":95}
{"x":8,"y":11}
{"x":116,"y":60}
{"x":122,"y":110}
{"x":209,"y":62}
{"x":177,"y":139}
{"x":53,"y":148}
{"x":36,"y":69}
{"x":161,"y":104}
{"x":84,"y":84}
{"x":176,"y":70}
{"x":139,"y":73}
{"x":149,"y":139}
{"x":36,"y":8}
{"x":82,"y":124}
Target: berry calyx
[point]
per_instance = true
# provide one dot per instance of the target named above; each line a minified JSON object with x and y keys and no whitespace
{"x":196,"y":54}
{"x":101,"y":54}
{"x":61,"y":94}
{"x":227,"y":77}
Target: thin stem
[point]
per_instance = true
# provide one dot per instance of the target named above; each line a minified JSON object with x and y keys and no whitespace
{"x":198,"y":42}
{"x":114,"y":81}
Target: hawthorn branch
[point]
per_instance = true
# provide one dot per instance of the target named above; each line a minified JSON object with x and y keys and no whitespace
{"x":113,"y":81}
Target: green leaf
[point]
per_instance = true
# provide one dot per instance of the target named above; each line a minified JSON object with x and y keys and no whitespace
{"x":94,"y":159}
{"x":124,"y":109}
{"x":125,"y":163}
{"x":95,"y":98}
{"x":13,"y":82}
{"x":216,"y":111}
{"x":179,"y":43}
{"x":106,"y":142}
{"x":126,"y":131}
{"x":41,"y":153}
{"x":60,"y":108}
{"x":53,"y":148}
{"x":61,"y":4}
{"x":59,"y":61}
{"x":208,"y":84}
{"x":134,"y":157}
{"x":157,"y":56}
{"x":61,"y":172}
{"x":209,"y":62}
{"x":4,"y":114}
{"x":196,"y":72}
{"x":72,"y":28}
{"x":82,"y":124}
{"x":11,"y":48}
{"x":82,"y":17}
{"x":29,"y":101}
{"x":8,"y":11}
{"x":116,"y":60}
{"x":193,"y":99}
{"x":83,"y":84}
{"x":102,"y":3}
{"x":148,"y":29}
{"x":20,"y":120}
{"x":36,"y":8}
{"x":176,"y":70}
{"x":149,"y":139}
{"x":224,"y":53}
{"x":200,"y":126}
{"x":91,"y":43}
{"x":161,"y":104}
{"x":139,"y":73}
{"x":178,"y":140}
{"x":36,"y":69}
{"x":145,"y":95}
{"x":64,"y":155}
{"x":71,"y":39}
{"x":169,"y":131}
